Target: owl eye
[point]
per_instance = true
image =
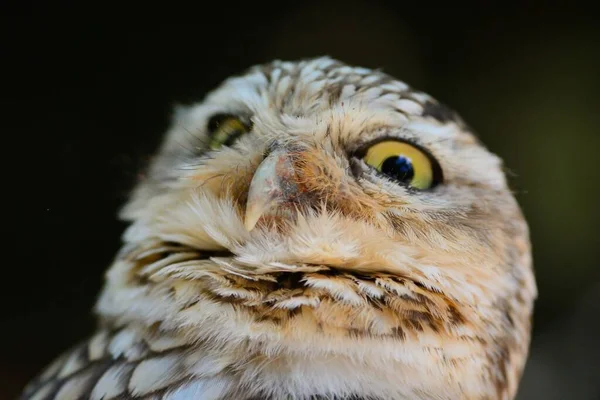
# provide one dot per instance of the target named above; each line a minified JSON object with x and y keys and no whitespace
{"x":224,"y":129}
{"x":404,"y":162}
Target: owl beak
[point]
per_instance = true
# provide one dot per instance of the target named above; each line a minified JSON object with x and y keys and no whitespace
{"x":273,"y":184}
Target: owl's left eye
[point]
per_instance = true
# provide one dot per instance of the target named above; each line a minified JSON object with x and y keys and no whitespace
{"x":224,"y":129}
{"x":403,"y":162}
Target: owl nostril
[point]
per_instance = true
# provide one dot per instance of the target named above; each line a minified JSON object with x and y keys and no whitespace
{"x":273,"y":146}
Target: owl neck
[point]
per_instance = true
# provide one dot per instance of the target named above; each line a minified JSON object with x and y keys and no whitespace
{"x":312,"y":330}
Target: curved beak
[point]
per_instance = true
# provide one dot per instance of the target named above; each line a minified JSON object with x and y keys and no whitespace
{"x":273,"y":184}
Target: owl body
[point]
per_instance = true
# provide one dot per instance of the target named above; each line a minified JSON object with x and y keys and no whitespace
{"x":269,"y":257}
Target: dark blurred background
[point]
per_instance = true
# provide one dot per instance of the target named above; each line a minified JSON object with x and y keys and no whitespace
{"x":87,"y":93}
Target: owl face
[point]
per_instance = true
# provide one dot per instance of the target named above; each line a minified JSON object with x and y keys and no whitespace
{"x":370,"y":201}
{"x":322,"y":140}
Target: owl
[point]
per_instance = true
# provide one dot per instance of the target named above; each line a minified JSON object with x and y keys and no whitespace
{"x":312,"y":230}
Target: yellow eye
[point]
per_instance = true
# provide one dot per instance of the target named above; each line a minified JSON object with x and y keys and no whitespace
{"x":404,"y":163}
{"x":224,"y":129}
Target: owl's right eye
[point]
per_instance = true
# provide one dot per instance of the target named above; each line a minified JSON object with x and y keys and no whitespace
{"x":224,"y":129}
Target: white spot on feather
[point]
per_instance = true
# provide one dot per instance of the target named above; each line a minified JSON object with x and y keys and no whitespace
{"x":76,"y":387}
{"x":73,"y":364}
{"x":341,"y":290}
{"x":155,"y":373}
{"x":113,"y":382}
{"x":97,"y":346}
{"x":409,"y":106}
{"x":43,"y":392}
{"x":198,"y":390}
{"x":122,"y":342}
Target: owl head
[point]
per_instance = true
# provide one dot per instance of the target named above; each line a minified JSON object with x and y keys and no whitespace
{"x":338,"y":224}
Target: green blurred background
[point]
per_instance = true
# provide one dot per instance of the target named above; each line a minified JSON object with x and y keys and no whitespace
{"x":86,"y":95}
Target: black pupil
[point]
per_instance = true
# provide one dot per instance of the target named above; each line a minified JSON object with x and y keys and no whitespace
{"x":399,"y":168}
